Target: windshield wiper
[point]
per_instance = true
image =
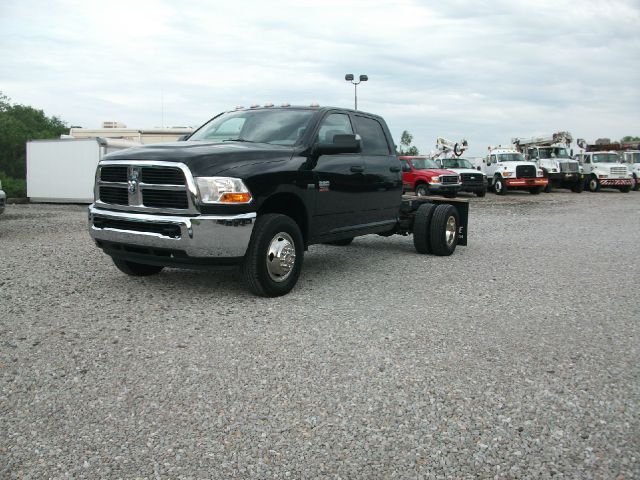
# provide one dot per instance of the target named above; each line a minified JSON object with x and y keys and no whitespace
{"x":238,"y":140}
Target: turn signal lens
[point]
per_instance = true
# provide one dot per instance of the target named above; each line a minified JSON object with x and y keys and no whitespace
{"x":235,"y":198}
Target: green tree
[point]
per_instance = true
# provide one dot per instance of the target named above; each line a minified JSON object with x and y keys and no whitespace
{"x":18,"y":124}
{"x":405,"y":144}
{"x":630,"y":138}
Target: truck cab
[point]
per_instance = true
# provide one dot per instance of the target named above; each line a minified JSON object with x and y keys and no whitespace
{"x":605,"y":169}
{"x":423,"y":176}
{"x":507,"y":169}
{"x":632,"y":159}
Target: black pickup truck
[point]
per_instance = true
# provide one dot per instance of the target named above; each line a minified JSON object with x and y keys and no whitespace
{"x":253,"y":188}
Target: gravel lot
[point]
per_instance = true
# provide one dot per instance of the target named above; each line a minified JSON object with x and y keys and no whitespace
{"x":517,"y":357}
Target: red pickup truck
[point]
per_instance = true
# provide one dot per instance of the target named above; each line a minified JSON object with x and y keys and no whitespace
{"x":422,"y":175}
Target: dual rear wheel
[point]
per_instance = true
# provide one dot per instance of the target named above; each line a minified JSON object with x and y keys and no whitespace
{"x":435,"y":229}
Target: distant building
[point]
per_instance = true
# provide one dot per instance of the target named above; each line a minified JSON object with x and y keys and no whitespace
{"x":113,"y":125}
{"x":140,"y":135}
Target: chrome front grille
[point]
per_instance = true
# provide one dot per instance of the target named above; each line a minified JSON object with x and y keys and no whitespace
{"x":155,"y":187}
{"x":619,"y":171}
{"x":449,"y":179}
{"x":569,"y":167}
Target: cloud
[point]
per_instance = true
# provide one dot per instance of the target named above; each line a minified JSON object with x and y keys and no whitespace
{"x":486,"y":70}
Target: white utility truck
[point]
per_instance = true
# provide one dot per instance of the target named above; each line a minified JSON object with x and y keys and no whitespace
{"x":506,"y":169}
{"x":631,"y":156}
{"x":603,"y":167}
{"x":552,"y":154}
{"x":448,"y":155}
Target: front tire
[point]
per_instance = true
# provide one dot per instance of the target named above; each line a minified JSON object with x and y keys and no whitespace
{"x":499,"y":186}
{"x":593,"y":184}
{"x":577,"y":187}
{"x":136,"y":269}
{"x":548,"y":187}
{"x":636,"y":184}
{"x":274,"y":257}
{"x":626,"y":189}
{"x":444,"y":230}
{"x":422,"y":190}
{"x":535,"y":190}
{"x":481,"y":193}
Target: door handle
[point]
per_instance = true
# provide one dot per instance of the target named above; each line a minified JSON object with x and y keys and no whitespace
{"x":357,"y":169}
{"x":394,"y":169}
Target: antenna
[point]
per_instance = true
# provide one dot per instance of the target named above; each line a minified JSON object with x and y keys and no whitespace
{"x":162,"y":107}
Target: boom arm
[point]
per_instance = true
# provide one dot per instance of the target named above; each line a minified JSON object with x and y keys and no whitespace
{"x":543,"y":141}
{"x":446,"y":147}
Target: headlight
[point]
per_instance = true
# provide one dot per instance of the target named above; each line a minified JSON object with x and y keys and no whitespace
{"x":434,"y":180}
{"x":506,"y":174}
{"x":222,"y":190}
{"x":540,"y":173}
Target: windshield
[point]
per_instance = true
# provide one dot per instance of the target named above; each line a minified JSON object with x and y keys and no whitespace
{"x":456,"y":163}
{"x":423,"y":163}
{"x":605,"y":158}
{"x":635,"y":157}
{"x":553,"y":152}
{"x":277,"y":127}
{"x":510,"y":157}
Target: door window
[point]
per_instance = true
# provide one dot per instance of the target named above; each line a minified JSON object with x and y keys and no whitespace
{"x":334,"y":124}
{"x":374,"y":141}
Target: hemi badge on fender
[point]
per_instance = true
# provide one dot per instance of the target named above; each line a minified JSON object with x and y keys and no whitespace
{"x":323,"y":185}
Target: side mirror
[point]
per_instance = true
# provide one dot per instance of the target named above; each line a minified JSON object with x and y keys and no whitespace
{"x":344,"y":143}
{"x":478,"y":168}
{"x":182,"y":138}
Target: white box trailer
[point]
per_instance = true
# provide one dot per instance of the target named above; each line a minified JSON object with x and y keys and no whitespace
{"x":63,"y":170}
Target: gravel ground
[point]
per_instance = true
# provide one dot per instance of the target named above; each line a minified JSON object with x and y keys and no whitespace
{"x":517,"y":357}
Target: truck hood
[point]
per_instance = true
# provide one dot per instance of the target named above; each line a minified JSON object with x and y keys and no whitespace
{"x":466,"y":170}
{"x":434,"y":172}
{"x":513,"y":165}
{"x":206,"y":158}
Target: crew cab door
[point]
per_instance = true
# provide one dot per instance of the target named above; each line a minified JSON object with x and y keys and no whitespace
{"x":339,"y":180}
{"x":383,"y":177}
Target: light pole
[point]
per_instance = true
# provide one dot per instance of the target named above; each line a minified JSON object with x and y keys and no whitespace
{"x":349,"y":78}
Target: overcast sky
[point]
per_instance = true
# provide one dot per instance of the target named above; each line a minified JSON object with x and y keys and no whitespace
{"x":483,"y":70}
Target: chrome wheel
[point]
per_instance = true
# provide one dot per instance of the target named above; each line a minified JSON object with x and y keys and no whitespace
{"x":451,"y":230}
{"x":281,"y":257}
{"x":422,"y":190}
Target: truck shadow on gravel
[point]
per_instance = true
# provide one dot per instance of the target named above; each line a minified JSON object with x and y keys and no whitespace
{"x":322,"y":263}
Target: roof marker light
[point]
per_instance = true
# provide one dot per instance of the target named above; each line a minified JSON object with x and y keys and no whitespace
{"x":239,"y":107}
{"x":268,"y":104}
{"x":314,"y":104}
{"x":285,"y":104}
{"x":254,"y":105}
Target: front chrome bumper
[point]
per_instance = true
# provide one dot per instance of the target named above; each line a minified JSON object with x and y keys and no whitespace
{"x":200,"y":235}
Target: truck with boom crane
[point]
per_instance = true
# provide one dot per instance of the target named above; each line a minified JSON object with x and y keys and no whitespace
{"x":551,"y":153}
{"x":449,"y":156}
